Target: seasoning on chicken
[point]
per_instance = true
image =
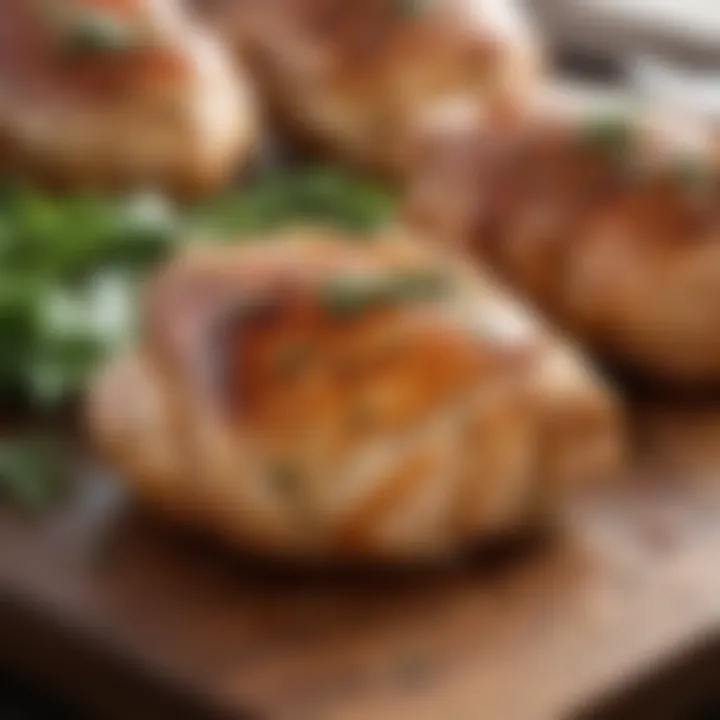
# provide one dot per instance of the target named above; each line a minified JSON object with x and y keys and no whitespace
{"x":607,"y":218}
{"x":352,"y":79}
{"x":315,"y":396}
{"x":116,"y":94}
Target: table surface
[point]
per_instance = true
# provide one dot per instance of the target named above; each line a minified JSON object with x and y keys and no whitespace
{"x":137,"y":619}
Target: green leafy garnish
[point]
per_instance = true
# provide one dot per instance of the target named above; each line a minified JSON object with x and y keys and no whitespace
{"x":95,"y":32}
{"x":612,"y":135}
{"x":68,"y":271}
{"x":33,"y":472}
{"x":70,"y":266}
{"x":314,"y":195}
{"x":351,"y":297}
{"x":407,"y":287}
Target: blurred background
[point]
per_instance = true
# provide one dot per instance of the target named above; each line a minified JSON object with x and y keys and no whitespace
{"x":666,"y":51}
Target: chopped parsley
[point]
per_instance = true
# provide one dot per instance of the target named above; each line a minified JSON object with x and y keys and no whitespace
{"x":97,"y":32}
{"x":69,"y":268}
{"x":314,"y":195}
{"x":611,"y":135}
{"x":70,"y":264}
{"x":351,"y":297}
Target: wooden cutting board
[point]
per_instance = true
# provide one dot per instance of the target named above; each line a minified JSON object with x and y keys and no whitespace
{"x":137,"y":620}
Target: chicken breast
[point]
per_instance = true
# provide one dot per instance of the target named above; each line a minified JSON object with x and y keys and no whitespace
{"x":325,"y":397}
{"x":353,"y":78}
{"x":605,"y":216}
{"x":115,"y":94}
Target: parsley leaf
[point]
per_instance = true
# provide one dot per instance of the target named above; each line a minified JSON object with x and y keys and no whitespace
{"x":612,"y":135}
{"x":97,"y":32}
{"x":350,"y":297}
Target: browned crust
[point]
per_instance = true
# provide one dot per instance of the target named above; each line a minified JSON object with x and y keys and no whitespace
{"x":284,"y":470}
{"x":618,"y":244}
{"x":173,"y":112}
{"x":353,"y":79}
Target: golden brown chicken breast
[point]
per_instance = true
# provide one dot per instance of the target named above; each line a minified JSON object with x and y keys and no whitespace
{"x":607,"y":218}
{"x":314,"y":396}
{"x":119,"y":93}
{"x":352,"y":78}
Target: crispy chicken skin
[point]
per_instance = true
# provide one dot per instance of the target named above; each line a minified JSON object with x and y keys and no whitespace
{"x":352,"y":78}
{"x":115,"y":94}
{"x":321,"y":397}
{"x":605,"y":217}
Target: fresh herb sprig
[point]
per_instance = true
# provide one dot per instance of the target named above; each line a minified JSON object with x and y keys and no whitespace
{"x":94,"y":32}
{"x":314,"y":195}
{"x":611,"y":135}
{"x":349,"y":298}
{"x":70,"y":266}
{"x":69,"y":270}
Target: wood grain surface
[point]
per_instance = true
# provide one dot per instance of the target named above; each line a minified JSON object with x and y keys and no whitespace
{"x":137,"y":620}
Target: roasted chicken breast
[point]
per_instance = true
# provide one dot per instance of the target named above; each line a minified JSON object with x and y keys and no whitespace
{"x":321,"y":397}
{"x":607,"y":218}
{"x":115,"y":94}
{"x":352,"y":78}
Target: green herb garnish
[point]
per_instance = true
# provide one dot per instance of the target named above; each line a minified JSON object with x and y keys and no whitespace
{"x":612,"y":135}
{"x":314,"y":195}
{"x":97,"y":32}
{"x":351,"y":297}
{"x":68,"y":271}
{"x":70,"y":266}
{"x":348,"y":298}
{"x":417,"y":286}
